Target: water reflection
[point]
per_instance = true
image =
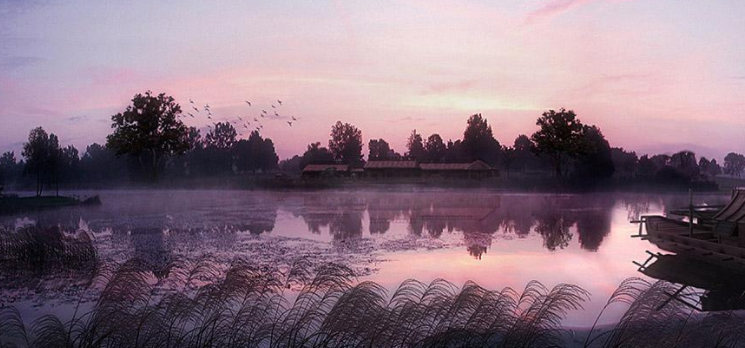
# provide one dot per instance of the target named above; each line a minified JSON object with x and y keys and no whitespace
{"x":475,"y":216}
{"x":699,"y":284}
{"x":385,"y":236}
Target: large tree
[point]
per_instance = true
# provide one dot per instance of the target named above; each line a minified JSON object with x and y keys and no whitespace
{"x":559,"y":137}
{"x":625,"y":161}
{"x":415,"y":146}
{"x":346,"y":143}
{"x":435,"y":148}
{"x":255,"y":154}
{"x":222,"y":136}
{"x":686,"y":164}
{"x":379,"y":149}
{"x":709,"y":169}
{"x":478,"y":141}
{"x":524,"y":156}
{"x":149,"y":130}
{"x":8,"y":164}
{"x":102,"y":165}
{"x":734,"y":164}
{"x":316,"y":154}
{"x":594,"y":161}
{"x":42,"y":156}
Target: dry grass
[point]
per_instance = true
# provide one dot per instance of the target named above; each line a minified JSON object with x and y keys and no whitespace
{"x":203,"y":304}
{"x":39,"y":249}
{"x":248,"y":307}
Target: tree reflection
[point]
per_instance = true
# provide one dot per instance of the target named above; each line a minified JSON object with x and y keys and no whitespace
{"x":554,"y":228}
{"x":341,"y":214}
{"x":592,"y":228}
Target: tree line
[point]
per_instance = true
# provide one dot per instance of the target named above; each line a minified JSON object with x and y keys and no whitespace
{"x":149,"y":141}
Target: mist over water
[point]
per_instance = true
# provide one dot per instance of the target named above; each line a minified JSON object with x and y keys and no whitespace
{"x":494,"y":239}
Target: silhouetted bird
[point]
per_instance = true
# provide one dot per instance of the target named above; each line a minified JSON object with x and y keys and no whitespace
{"x":294,"y":119}
{"x":256,"y":119}
{"x":290,"y":123}
{"x":279,"y":102}
{"x":195,"y":109}
{"x":190,"y":114}
{"x":191,"y":101}
{"x":273,"y":107}
{"x":276,"y":114}
{"x":248,"y":102}
{"x":263,"y":111}
{"x":240,"y":118}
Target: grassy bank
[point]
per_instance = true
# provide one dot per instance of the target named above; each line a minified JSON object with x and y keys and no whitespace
{"x":13,"y":204}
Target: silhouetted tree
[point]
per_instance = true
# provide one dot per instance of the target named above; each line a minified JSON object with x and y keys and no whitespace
{"x":625,"y":162}
{"x":685,"y":163}
{"x":291,"y":164}
{"x":646,"y":167}
{"x":509,"y":156}
{"x":734,"y":164}
{"x":219,"y":143}
{"x":42,"y":155}
{"x":222,"y":136}
{"x":101,"y":164}
{"x":479,"y":142}
{"x":454,"y":152}
{"x":379,"y":150}
{"x":346,"y":143}
{"x":560,"y":136}
{"x":594,"y":160}
{"x":149,"y":130}
{"x":709,"y":169}
{"x":8,"y":165}
{"x":415,"y":146}
{"x":525,"y":158}
{"x":255,"y":154}
{"x":194,"y":138}
{"x":435,"y":148}
{"x":315,"y":154}
{"x":69,"y":165}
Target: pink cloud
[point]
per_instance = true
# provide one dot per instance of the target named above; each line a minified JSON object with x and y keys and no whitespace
{"x":556,"y":7}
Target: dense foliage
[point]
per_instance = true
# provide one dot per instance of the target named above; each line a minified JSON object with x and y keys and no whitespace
{"x":150,"y":140}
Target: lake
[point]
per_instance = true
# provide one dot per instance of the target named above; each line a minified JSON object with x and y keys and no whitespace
{"x":387,"y":236}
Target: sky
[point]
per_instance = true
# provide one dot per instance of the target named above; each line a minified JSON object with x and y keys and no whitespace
{"x":655,"y":75}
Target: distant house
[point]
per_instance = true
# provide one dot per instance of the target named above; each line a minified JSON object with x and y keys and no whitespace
{"x":383,"y":169}
{"x":325,"y":170}
{"x":410,"y":168}
{"x":474,"y":170}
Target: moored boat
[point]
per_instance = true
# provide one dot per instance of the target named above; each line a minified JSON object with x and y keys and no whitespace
{"x":720,"y":241}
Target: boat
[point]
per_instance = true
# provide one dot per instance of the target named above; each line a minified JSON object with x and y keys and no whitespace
{"x":720,"y":241}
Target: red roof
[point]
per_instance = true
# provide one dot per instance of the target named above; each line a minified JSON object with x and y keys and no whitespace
{"x":391,"y":165}
{"x":476,"y":165}
{"x":325,"y":167}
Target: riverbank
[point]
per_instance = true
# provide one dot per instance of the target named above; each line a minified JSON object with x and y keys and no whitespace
{"x":10,"y":204}
{"x":514,"y":183}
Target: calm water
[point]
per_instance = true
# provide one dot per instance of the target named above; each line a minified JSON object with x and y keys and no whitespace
{"x":494,"y":239}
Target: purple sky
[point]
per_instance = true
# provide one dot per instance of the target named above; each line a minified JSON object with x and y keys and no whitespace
{"x":655,"y":75}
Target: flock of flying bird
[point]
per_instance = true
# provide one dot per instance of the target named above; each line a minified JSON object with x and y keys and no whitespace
{"x":244,"y":121}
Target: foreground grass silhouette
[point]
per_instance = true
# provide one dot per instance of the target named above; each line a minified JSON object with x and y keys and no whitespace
{"x":202,"y":304}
